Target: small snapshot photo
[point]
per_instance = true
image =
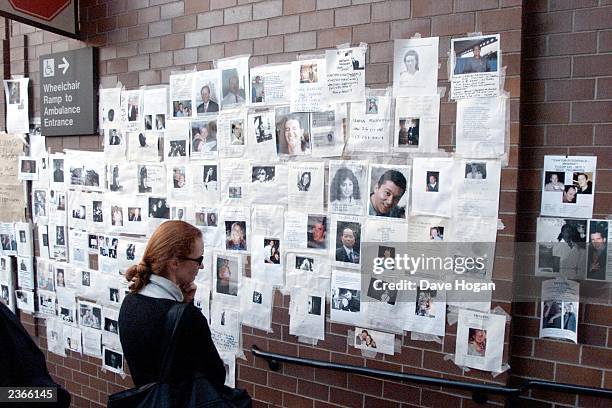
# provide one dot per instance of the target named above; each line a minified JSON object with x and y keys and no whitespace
{"x":304,"y":263}
{"x":203,"y":136}
{"x":569,"y":316}
{"x":160,"y":121}
{"x":554,"y":181}
{"x":148,"y":119}
{"x":317,"y":232}
{"x":385,"y":252}
{"x":181,"y":109}
{"x":117,"y":216}
{"x":257,"y":89}
{"x":561,"y":245}
{"x":314,"y":305}
{"x":263,"y":174}
{"x":113,"y":295}
{"x":569,"y":194}
{"x":233,"y":85}
{"x":357,"y":59}
{"x":60,"y":235}
{"x":477,"y":342}
{"x":597,"y":261}
{"x":293,"y":132}
{"x":133,"y":108}
{"x":372,"y":105}
{"x":227,"y":275}
{"x":272,"y":251}
{"x":378,"y":290}
{"x":113,"y":360}
{"x":90,"y":316}
{"x":237,"y":133}
{"x":28,"y":166}
{"x":14,"y":92}
{"x":408,"y":134}
{"x":235,"y":236}
{"x":67,"y":315}
{"x":209,"y":177}
{"x":134,"y":214}
{"x":552,"y":315}
{"x":348,"y":300}
{"x":432,"y":180}
{"x":436,"y":233}
{"x":309,"y":74}
{"x":304,"y":178}
{"x":583,"y":183}
{"x":58,"y":170}
{"x":179,"y":177}
{"x":206,"y":99}
{"x":130,"y":252}
{"x":475,"y":55}
{"x":60,"y":277}
{"x":235,"y":192}
{"x":476,"y":171}
{"x":263,"y":129}
{"x":348,"y":242}
{"x":86,"y":278}
{"x":143,"y":180}
{"x":111,"y":326}
{"x":178,"y":148}
{"x":425,"y":303}
{"x":364,"y":339}
{"x":178,"y":213}
{"x":98,"y":215}
{"x":257,"y":297}
{"x":114,"y":138}
{"x":158,"y":208}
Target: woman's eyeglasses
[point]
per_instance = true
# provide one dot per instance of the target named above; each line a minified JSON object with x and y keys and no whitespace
{"x":198,"y":260}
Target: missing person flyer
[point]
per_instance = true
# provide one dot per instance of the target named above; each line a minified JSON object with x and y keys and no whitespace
{"x":568,"y":186}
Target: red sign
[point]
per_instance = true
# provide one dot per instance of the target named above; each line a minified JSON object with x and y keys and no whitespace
{"x":46,"y":10}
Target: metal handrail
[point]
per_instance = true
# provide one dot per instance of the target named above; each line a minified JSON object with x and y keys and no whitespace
{"x":479,"y":391}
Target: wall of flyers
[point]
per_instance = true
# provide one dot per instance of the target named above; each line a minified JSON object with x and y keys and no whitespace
{"x":290,"y":171}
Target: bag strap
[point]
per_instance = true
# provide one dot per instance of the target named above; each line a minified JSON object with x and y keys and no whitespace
{"x":173,"y":320}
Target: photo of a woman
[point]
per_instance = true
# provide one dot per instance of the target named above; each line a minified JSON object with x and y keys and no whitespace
{"x":236,"y":238}
{"x":344,"y":192}
{"x":304,"y":181}
{"x":477,"y":345}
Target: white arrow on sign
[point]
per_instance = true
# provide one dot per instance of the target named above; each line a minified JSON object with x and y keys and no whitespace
{"x":65,"y":65}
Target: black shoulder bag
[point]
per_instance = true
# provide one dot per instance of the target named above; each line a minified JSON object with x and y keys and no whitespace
{"x":195,"y":392}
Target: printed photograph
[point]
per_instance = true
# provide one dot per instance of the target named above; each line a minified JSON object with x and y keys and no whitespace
{"x":235,"y":236}
{"x":314,"y":305}
{"x":476,"y":171}
{"x":348,"y":242}
{"x":317,"y":232}
{"x":432,"y":180}
{"x":475,"y":55}
{"x":348,"y":300}
{"x":477,"y":342}
{"x":227,"y":275}
{"x":408,"y":132}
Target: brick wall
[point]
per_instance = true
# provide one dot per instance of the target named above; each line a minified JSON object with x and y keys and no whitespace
{"x":566,"y":108}
{"x":142,"y":41}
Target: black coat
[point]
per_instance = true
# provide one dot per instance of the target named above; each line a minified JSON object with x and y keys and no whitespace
{"x":21,"y":361}
{"x":141,"y":331}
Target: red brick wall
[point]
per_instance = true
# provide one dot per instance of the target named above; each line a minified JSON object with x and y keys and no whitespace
{"x":566,"y":108}
{"x":142,"y":41}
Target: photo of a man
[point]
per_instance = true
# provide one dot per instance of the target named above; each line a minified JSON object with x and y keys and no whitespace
{"x":386,"y":195}
{"x":207,"y":104}
{"x":348,"y":242}
{"x":598,"y":250}
{"x":233,"y":92}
